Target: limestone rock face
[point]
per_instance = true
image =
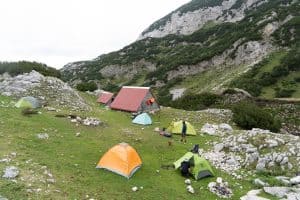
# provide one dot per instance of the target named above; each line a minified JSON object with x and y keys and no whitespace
{"x":188,"y":22}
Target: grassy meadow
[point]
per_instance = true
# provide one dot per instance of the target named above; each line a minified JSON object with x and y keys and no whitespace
{"x":72,"y":160}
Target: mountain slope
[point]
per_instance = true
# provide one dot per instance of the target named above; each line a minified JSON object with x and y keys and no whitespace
{"x":241,"y":35}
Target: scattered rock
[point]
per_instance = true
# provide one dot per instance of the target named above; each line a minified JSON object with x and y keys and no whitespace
{"x":77,"y":134}
{"x":3,"y":198}
{"x":252,"y":195}
{"x":43,"y":136}
{"x":279,"y":192}
{"x":260,"y":183}
{"x":209,"y":129}
{"x":295,"y":180}
{"x":134,"y":189}
{"x":283,"y":179}
{"x":218,"y":147}
{"x":190,"y":189}
{"x":225,"y":127}
{"x":187,"y":181}
{"x":11,"y":172}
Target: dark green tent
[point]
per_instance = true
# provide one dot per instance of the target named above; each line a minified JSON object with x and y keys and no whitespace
{"x":200,"y":166}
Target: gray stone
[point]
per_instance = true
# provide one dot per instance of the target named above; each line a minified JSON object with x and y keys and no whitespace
{"x":11,"y":172}
{"x":43,"y":136}
{"x":251,"y":150}
{"x":261,"y":164}
{"x":252,"y":195}
{"x":284,"y":161}
{"x":295,"y":180}
{"x":3,"y":198}
{"x":225,"y":127}
{"x":279,"y":158}
{"x":272,"y":143}
{"x":293,"y":196}
{"x":260,"y":183}
{"x":279,"y":192}
{"x":218,"y":147}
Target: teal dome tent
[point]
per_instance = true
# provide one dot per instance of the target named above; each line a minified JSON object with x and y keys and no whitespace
{"x":143,"y":119}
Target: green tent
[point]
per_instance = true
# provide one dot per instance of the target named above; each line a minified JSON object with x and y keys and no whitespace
{"x":176,"y":128}
{"x":28,"y":102}
{"x":200,"y":166}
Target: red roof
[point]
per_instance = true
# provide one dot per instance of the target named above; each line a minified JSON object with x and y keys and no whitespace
{"x":130,"y":98}
{"x":105,"y":97}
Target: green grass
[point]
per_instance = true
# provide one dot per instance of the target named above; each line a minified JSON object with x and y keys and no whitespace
{"x":72,"y":160}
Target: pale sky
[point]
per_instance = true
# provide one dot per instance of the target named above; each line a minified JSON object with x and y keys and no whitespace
{"x":56,"y":32}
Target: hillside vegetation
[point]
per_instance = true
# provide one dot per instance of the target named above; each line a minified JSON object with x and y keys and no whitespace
{"x":16,"y":68}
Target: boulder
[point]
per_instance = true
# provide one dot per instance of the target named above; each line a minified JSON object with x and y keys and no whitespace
{"x":218,"y":147}
{"x":252,"y":195}
{"x":134,"y":189}
{"x":209,"y":129}
{"x":187,"y":181}
{"x":11,"y":172}
{"x":190,"y":189}
{"x":261,"y":164}
{"x":3,"y":198}
{"x":260,"y":183}
{"x":295,"y":180}
{"x":225,"y":127}
{"x":279,"y":192}
{"x":43,"y":136}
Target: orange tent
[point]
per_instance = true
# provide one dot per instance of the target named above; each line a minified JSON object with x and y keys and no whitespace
{"x":121,"y":159}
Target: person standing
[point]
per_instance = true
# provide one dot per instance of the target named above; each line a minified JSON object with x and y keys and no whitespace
{"x":183,"y":132}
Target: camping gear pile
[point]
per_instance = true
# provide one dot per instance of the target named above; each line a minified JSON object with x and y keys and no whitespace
{"x":220,"y":188}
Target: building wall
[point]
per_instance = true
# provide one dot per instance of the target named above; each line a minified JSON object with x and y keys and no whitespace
{"x":144,"y":107}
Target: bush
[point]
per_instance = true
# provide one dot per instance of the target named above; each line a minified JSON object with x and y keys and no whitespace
{"x":279,"y":71}
{"x":248,"y":115}
{"x":111,"y":87}
{"x":196,"y":101}
{"x":89,"y":86}
{"x":297,"y":79}
{"x":281,"y":93}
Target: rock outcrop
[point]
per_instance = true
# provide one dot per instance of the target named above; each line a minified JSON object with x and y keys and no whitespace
{"x":49,"y":90}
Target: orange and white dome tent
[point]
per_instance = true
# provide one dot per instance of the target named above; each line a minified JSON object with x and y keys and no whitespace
{"x":121,"y":159}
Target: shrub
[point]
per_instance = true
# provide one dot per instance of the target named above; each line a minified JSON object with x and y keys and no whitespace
{"x":279,"y":71}
{"x":248,"y":115}
{"x":281,"y":93}
{"x":297,"y":79}
{"x":266,"y":79}
{"x":196,"y":101}
{"x":89,"y":86}
{"x":111,"y":87}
